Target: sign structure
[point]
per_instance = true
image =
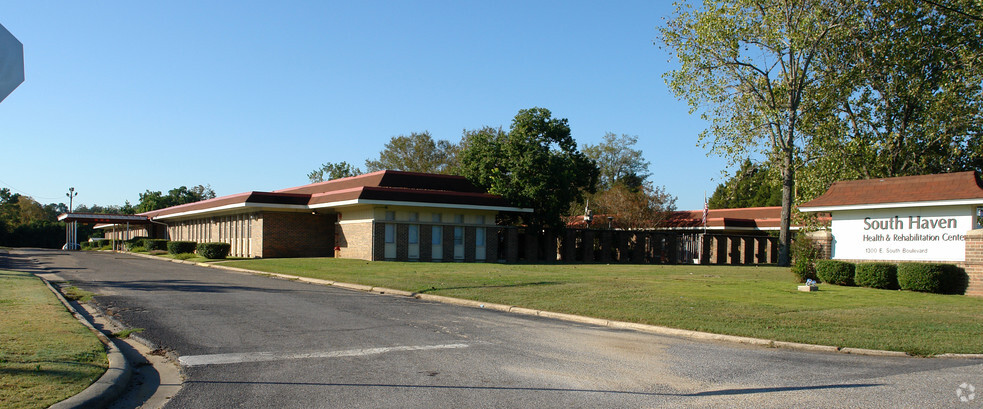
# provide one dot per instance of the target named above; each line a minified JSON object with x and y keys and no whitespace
{"x":903,"y":234}
{"x":11,"y":63}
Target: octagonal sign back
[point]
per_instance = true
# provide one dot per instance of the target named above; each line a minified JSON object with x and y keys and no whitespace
{"x":11,"y":63}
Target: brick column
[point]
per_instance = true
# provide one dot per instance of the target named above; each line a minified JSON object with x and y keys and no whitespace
{"x":761,"y":251}
{"x":426,"y":242}
{"x":469,"y":244}
{"x":638,"y":253}
{"x":549,"y":249}
{"x":448,"y":244}
{"x":588,"y":246}
{"x":491,"y":244}
{"x":974,"y":262}
{"x":378,"y":241}
{"x":606,"y":246}
{"x":569,"y":245}
{"x":402,"y":242}
{"x":747,"y":253}
{"x":823,"y":240}
{"x":622,"y":239}
{"x":705,"y":249}
{"x":512,"y":245}
{"x":735,"y":250}
{"x":532,"y":246}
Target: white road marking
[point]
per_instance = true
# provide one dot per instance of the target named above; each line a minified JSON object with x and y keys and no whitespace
{"x":236,"y":358}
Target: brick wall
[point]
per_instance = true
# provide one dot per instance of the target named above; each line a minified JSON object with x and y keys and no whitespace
{"x":298,"y":235}
{"x":974,"y":262}
{"x":122,"y":234}
{"x":823,"y":240}
{"x":354,"y":240}
{"x":491,"y":244}
{"x":378,"y":241}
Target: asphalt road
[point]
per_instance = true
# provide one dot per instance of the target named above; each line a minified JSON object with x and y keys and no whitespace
{"x":253,"y":341}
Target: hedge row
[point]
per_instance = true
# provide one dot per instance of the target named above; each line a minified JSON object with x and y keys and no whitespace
{"x":155,"y":244}
{"x":214,"y":250}
{"x":932,"y":278}
{"x":925,"y":277}
{"x":835,"y":272}
{"x":179,"y":247}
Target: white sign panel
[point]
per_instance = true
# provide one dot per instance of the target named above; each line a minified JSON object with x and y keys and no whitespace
{"x":11,"y":63}
{"x":902,"y":234}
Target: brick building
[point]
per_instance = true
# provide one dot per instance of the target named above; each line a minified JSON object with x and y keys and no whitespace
{"x":385,"y":215}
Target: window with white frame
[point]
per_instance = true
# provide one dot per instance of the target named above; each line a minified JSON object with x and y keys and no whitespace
{"x":435,"y":234}
{"x":390,"y":233}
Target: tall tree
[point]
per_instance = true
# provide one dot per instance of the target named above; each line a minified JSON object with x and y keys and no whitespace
{"x":331,"y":171}
{"x":641,"y":207}
{"x":536,"y":165}
{"x":618,"y":161}
{"x":154,"y":200}
{"x":749,"y":66}
{"x":751,"y":186}
{"x":905,"y":96}
{"x":418,"y":152}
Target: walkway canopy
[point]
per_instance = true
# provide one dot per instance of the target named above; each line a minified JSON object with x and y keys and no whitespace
{"x":103,"y":218}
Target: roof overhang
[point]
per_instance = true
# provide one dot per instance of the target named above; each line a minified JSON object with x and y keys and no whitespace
{"x":935,"y":203}
{"x":103,"y":218}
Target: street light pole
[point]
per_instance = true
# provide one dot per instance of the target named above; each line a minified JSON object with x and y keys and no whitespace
{"x":70,"y":230}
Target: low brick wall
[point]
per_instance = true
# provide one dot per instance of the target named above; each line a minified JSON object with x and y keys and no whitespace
{"x":974,"y":262}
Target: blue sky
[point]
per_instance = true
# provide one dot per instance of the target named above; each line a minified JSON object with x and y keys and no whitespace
{"x":122,"y":97}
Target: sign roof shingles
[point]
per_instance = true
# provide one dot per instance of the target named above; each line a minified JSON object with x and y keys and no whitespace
{"x":904,"y":189}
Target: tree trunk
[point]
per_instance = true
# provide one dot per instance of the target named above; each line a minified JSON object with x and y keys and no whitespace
{"x":788,"y":185}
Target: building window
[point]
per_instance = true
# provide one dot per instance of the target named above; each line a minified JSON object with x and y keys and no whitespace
{"x":479,"y":219}
{"x":458,"y":236}
{"x":414,"y":216}
{"x":479,"y":236}
{"x":414,"y":233}
{"x":390,"y":233}
{"x":390,"y":215}
{"x":979,"y":217}
{"x":459,"y":218}
{"x":435,"y":238}
{"x":436,"y":217}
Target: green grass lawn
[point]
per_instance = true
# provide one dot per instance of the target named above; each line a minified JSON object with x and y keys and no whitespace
{"x":759,"y":302}
{"x":46,"y":355}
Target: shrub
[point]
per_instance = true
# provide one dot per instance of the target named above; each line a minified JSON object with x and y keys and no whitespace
{"x":804,"y":270}
{"x":877,"y":275}
{"x":835,"y":272}
{"x":804,"y":255}
{"x":133,"y":243}
{"x":184,"y":256}
{"x":932,"y":278}
{"x":178,"y":247}
{"x":155,"y":244}
{"x":214,"y":250}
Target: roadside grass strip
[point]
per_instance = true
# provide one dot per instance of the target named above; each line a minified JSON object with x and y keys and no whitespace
{"x":749,"y":301}
{"x":46,"y":355}
{"x":246,"y":357}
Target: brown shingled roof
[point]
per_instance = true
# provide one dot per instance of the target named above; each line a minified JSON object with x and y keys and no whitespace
{"x":386,"y":185}
{"x":905,"y":189}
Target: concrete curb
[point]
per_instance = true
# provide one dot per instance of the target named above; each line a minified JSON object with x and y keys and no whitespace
{"x":111,"y":384}
{"x":651,"y":329}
